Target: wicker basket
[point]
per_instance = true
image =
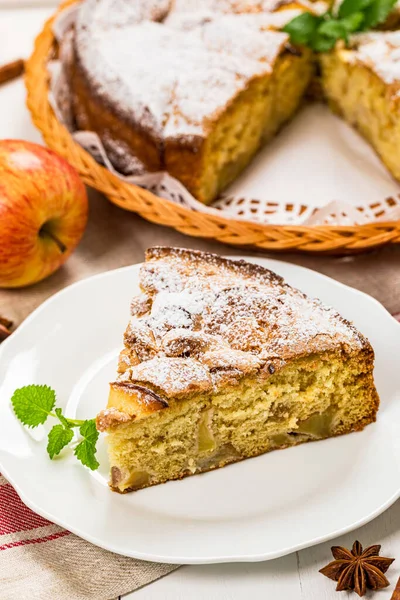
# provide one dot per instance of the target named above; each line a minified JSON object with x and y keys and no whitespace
{"x":319,"y":239}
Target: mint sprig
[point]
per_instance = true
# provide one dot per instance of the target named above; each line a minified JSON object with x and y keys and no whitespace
{"x":33,"y":404}
{"x":59,"y":437}
{"x":86,"y":449}
{"x":321,"y":32}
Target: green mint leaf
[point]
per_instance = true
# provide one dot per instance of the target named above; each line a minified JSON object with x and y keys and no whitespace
{"x":86,"y":449}
{"x":62,"y":419}
{"x":354,"y":22}
{"x":59,"y":437}
{"x":321,"y":33}
{"x":332,"y":29}
{"x":302,"y":28}
{"x":33,"y":404}
{"x":349,"y":7}
{"x":377,"y":13}
{"x":321,"y":43}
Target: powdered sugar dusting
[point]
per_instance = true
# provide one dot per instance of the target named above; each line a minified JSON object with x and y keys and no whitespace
{"x":121,"y":156}
{"x":225,"y":319}
{"x":238,"y":6}
{"x":193,"y":302}
{"x":167,"y":374}
{"x":97,"y":16}
{"x":380,"y":51}
{"x":174,"y":67}
{"x":255,"y":42}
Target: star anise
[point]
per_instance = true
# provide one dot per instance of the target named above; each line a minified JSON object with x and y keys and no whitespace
{"x":396,"y":591}
{"x":358,"y":569}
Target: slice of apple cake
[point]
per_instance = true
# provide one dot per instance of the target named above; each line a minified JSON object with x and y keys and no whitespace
{"x":222,"y":361}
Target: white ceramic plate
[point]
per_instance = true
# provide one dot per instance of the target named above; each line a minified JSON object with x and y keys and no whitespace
{"x":255,"y":510}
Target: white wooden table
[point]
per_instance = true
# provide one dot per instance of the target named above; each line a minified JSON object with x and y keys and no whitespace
{"x":294,"y":577}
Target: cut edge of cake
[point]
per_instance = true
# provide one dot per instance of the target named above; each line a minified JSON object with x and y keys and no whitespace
{"x":223,"y":361}
{"x":362,"y":84}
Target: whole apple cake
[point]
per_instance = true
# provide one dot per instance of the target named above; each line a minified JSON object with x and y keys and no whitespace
{"x":223,"y":361}
{"x":193,"y":88}
{"x":196,"y":88}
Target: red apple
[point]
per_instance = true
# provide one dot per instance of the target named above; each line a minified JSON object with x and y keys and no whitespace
{"x":43,"y":212}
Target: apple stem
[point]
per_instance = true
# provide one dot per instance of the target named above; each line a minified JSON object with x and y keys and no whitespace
{"x":45,"y":232}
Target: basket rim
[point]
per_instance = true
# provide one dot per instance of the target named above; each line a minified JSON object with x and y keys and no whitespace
{"x":320,"y":238}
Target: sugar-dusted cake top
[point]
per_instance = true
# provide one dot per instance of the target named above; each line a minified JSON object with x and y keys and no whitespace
{"x":379,"y":51}
{"x":203,"y":322}
{"x":173,"y":67}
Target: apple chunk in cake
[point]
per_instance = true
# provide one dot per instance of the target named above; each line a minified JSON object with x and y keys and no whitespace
{"x":223,"y":361}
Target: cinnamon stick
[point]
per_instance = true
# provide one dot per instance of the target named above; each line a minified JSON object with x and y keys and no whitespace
{"x":5,"y":326}
{"x":5,"y":322}
{"x":11,"y":70}
{"x":396,"y":593}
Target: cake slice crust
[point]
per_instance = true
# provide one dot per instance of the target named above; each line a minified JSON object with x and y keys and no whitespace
{"x":224,"y":361}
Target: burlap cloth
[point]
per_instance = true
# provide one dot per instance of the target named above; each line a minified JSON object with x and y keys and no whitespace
{"x":69,"y":568}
